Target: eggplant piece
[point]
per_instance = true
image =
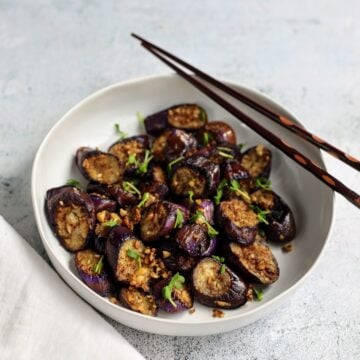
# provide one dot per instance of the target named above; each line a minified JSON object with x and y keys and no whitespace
{"x":179,"y":143}
{"x":158,"y":189}
{"x":71,"y":215}
{"x":215,"y":285}
{"x":159,"y":146}
{"x":257,"y":161}
{"x":239,"y":222}
{"x":156,"y":173}
{"x":135,"y":146}
{"x":92,"y":271}
{"x":194,"y":240}
{"x":179,"y":299}
{"x":99,"y":243}
{"x":98,"y":166}
{"x":196,"y":174}
{"x":116,"y":192}
{"x":101,"y":203}
{"x":218,"y":132}
{"x":175,"y":259}
{"x":255,"y":262}
{"x":233,"y":170}
{"x":138,"y":301}
{"x":159,"y":220}
{"x":183,"y":116}
{"x":206,"y":207}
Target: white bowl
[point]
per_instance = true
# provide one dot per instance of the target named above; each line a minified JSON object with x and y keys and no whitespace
{"x":91,"y":123}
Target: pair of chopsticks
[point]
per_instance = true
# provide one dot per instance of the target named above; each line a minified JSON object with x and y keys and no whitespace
{"x":291,"y":152}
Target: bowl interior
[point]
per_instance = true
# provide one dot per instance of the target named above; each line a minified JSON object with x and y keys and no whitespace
{"x":91,"y":123}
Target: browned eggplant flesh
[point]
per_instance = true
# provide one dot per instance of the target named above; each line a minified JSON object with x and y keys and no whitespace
{"x":137,"y":300}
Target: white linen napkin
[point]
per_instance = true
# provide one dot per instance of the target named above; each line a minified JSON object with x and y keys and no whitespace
{"x":41,"y":317}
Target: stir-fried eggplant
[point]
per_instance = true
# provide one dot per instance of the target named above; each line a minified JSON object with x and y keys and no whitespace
{"x":98,"y":166}
{"x":257,"y":161}
{"x":159,"y":190}
{"x":137,"y":300}
{"x":92,"y":271}
{"x":172,"y":295}
{"x":255,"y":261}
{"x":233,"y":170}
{"x":156,"y":173}
{"x":215,"y":285}
{"x":130,"y":152}
{"x":183,"y":116}
{"x":161,"y":218}
{"x":280,"y":222}
{"x":196,"y":174}
{"x":239,"y":222}
{"x":71,"y":214}
{"x":194,"y":239}
{"x":218,"y":132}
{"x":101,"y":203}
{"x":205,"y":207}
{"x":179,"y":143}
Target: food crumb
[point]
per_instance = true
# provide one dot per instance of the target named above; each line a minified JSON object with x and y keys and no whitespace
{"x":191,"y":311}
{"x":287,"y":247}
{"x":114,"y":300}
{"x":250,"y":293}
{"x":217,"y":313}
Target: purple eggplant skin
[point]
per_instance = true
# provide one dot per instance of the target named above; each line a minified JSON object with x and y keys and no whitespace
{"x":216,"y":285}
{"x":281,"y":227}
{"x":194,"y":240}
{"x":175,"y":259}
{"x":115,"y":192}
{"x":69,"y":208}
{"x":254,"y":262}
{"x":181,"y":297}
{"x":183,"y":116}
{"x":137,"y":300}
{"x":197,"y":174}
{"x":257,"y":161}
{"x":85,"y":263}
{"x":156,"y":173}
{"x":179,"y":143}
{"x":159,"y":190}
{"x":217,"y":132}
{"x":159,"y":219}
{"x":101,"y":203}
{"x":98,"y":166}
{"x":99,"y":244}
{"x":134,"y":145}
{"x":238,"y":221}
{"x":206,"y":207}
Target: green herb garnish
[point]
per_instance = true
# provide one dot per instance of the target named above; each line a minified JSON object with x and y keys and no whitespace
{"x":172,"y":163}
{"x":73,"y":182}
{"x":224,"y":149}
{"x":235,"y":186}
{"x":131,"y":160}
{"x":261,"y":214}
{"x":221,"y":260}
{"x":122,"y":134}
{"x":220,"y":191}
{"x":207,"y":137}
{"x":144,"y":199}
{"x":222,"y":269}
{"x":263,"y":183}
{"x":134,"y":255}
{"x":200,"y":216}
{"x":179,"y":221}
{"x":261,"y":232}
{"x":240,"y":146}
{"x":140,"y":117}
{"x":259,"y":295}
{"x":99,"y":266}
{"x":191,"y":195}
{"x":226,"y":155}
{"x":177,"y":281}
{"x":110,"y":223}
{"x":203,"y":115}
{"x":131,"y":188}
{"x":143,"y":167}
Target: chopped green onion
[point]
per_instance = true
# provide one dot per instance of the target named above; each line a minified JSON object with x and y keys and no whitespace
{"x":200,"y":216}
{"x":110,"y":223}
{"x":218,"y":258}
{"x":222,"y":269}
{"x":263,"y":183}
{"x":99,"y":266}
{"x":144,"y":199}
{"x":143,"y":167}
{"x":207,"y":137}
{"x":240,"y":146}
{"x":235,"y":186}
{"x":172,"y":163}
{"x":131,"y":188}
{"x":140,"y":117}
{"x":132,"y":160}
{"x":191,"y":195}
{"x":226,"y":155}
{"x":224,"y":149}
{"x":261,"y":214}
{"x":122,"y":134}
{"x":177,"y":281}
{"x":220,"y":191}
{"x":258,"y":294}
{"x":134,"y":255}
{"x":73,"y":182}
{"x":203,"y":115}
{"x":179,"y":221}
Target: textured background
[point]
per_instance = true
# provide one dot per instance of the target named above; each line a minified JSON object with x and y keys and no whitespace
{"x":306,"y":55}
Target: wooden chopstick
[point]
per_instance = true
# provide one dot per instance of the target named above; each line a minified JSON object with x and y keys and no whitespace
{"x":279,"y":119}
{"x":302,"y":160}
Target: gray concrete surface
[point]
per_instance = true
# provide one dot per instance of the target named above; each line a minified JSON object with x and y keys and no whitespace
{"x":305,"y":54}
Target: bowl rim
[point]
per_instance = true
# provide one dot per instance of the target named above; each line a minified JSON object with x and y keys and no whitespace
{"x":143,"y":79}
